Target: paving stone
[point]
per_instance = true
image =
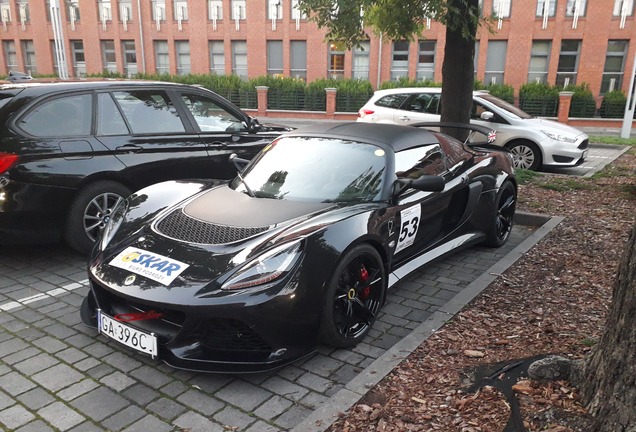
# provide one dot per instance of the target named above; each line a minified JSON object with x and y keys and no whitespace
{"x":243,"y":395}
{"x":313,"y":400}
{"x":232,"y":418}
{"x":36,"y":364}
{"x":71,"y":355}
{"x":15,"y":384}
{"x":123,"y":418}
{"x":273,"y":407}
{"x":174,"y":389}
{"x":292,"y":417}
{"x":315,"y":382}
{"x":121,"y":361}
{"x":35,"y":426}
{"x":345,"y":374}
{"x":141,"y":394}
{"x":61,"y":416}
{"x":57,"y":377}
{"x":21,"y":355}
{"x":99,"y":403}
{"x":15,"y":417}
{"x":12,"y":346}
{"x":30,"y":334}
{"x":166,"y":408}
{"x":149,"y":423}
{"x":60,"y":331}
{"x":50,"y":344}
{"x":290,"y":372}
{"x":99,"y":371}
{"x":285,"y":388}
{"x":151,"y":377}
{"x":368,"y":350}
{"x":36,"y":398}
{"x":80,"y":340}
{"x":98,"y":349}
{"x":419,"y":316}
{"x":262,"y":427}
{"x":201,"y":402}
{"x":5,"y":401}
{"x":117,"y":381}
{"x":323,"y":365}
{"x":194,"y":422}
{"x":210,"y":383}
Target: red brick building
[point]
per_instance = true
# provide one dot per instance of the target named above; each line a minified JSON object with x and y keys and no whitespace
{"x":554,"y":41}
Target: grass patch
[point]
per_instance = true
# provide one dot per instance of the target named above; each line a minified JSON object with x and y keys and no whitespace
{"x":565,"y":185}
{"x":525,"y":176}
{"x":589,"y":342}
{"x":612,"y":170}
{"x":613,"y":140}
{"x":630,"y":190}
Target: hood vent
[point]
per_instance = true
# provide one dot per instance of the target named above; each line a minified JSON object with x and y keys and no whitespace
{"x":179,"y":226}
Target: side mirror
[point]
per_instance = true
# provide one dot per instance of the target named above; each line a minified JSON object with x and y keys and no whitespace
{"x":254,"y":125}
{"x":427,"y":183}
{"x":487,"y":115}
{"x":238,"y":162}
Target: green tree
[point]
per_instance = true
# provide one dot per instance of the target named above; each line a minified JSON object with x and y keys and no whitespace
{"x":347,"y":21}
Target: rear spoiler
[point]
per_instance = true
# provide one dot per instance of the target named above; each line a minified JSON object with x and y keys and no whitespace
{"x":489,"y":134}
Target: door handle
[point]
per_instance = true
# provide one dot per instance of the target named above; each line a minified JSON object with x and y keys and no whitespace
{"x":219,"y":145}
{"x":129,"y":148}
{"x":404,"y":118}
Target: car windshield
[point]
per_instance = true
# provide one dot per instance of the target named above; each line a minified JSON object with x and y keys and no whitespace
{"x":316,"y":169}
{"x":516,"y":112}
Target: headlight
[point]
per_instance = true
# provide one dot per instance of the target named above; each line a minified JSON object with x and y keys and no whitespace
{"x":558,"y":137}
{"x":267,"y":268}
{"x":113,"y":224}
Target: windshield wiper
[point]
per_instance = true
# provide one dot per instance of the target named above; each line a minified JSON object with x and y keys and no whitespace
{"x":239,"y":163}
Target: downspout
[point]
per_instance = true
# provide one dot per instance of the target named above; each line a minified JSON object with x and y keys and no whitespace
{"x":377,"y":84}
{"x":141,"y":38}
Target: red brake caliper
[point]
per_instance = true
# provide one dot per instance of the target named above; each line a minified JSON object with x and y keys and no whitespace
{"x":364,"y":276}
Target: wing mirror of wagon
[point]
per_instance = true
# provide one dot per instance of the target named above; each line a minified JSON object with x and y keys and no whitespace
{"x":427,"y":183}
{"x":238,"y":162}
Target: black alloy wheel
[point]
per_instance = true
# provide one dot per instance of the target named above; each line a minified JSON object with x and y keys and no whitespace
{"x":504,"y":213}
{"x":355,"y":295}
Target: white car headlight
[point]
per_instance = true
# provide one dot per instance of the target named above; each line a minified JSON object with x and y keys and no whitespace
{"x":558,"y":137}
{"x":266,"y":268}
{"x":117,"y":217}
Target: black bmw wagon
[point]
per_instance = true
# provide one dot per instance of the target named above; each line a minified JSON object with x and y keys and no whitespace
{"x":71,"y":151}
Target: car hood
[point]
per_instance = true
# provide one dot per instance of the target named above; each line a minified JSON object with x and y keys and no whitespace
{"x":252,"y":225}
{"x":543,"y":124}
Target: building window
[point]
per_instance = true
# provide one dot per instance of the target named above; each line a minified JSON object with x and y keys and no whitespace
{"x":10,"y":55}
{"x":79,"y":61}
{"x":238,"y":9}
{"x":217,"y":57}
{"x":215,"y":10}
{"x":182,"y":49}
{"x":125,"y":10}
{"x":426,"y":60}
{"x":109,"y":60}
{"x":400,"y":62}
{"x":336,"y":60}
{"x":360,"y":69}
{"x":614,"y":66}
{"x":539,"y":61}
{"x":476,"y":58}
{"x":501,"y":8}
{"x":274,"y":9}
{"x":575,"y":7}
{"x":180,"y":10}
{"x":298,"y":60}
{"x":28,"y":54}
{"x":129,"y":57}
{"x":5,"y":12}
{"x":162,"y":59}
{"x":104,"y":10}
{"x":158,"y":10}
{"x":495,"y":62}
{"x":568,"y":62}
{"x":623,"y":8}
{"x":24,"y":15}
{"x":543,"y":4}
{"x":274,"y":57}
{"x":295,"y":12}
{"x":72,"y":11}
{"x":239,"y":59}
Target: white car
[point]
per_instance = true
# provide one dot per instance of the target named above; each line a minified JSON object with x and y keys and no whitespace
{"x":533,"y":142}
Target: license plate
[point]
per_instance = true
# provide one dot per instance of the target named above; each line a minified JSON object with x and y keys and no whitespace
{"x":127,"y":335}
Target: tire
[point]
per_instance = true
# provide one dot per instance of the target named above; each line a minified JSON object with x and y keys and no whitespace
{"x":90,"y":212}
{"x":354,"y":297}
{"x":525,"y":155}
{"x":88,"y":310}
{"x":501,"y":220}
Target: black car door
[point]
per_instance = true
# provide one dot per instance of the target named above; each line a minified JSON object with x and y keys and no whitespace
{"x":224,"y":129}
{"x":147,"y":132}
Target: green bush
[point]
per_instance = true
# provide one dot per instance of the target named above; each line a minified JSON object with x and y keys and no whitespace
{"x":406,"y":82}
{"x":539,"y":99}
{"x":502,"y":91}
{"x":583,"y":103}
{"x":613,"y":104}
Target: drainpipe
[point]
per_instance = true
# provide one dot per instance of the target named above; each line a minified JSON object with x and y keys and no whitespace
{"x":377,"y":84}
{"x":141,"y":38}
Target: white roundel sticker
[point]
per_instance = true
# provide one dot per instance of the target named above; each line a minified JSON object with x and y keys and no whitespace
{"x":410,"y":222}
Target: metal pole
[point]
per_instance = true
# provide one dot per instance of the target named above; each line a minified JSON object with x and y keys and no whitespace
{"x":141,"y":38}
{"x":377,"y":85}
{"x":58,"y":36}
{"x":629,"y":106}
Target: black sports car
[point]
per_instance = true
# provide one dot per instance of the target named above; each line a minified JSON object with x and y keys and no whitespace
{"x":300,"y":248}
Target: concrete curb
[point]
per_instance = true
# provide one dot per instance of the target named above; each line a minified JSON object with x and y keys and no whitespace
{"x":610,"y":160}
{"x":320,"y":419}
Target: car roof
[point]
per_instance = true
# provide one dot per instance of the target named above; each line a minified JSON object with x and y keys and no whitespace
{"x":54,"y":85}
{"x":392,"y":136}
{"x":418,"y":90}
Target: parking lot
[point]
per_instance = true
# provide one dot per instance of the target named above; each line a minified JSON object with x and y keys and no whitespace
{"x":56,"y":374}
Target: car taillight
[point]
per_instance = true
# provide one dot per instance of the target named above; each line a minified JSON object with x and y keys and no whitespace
{"x":365,"y":112}
{"x":6,"y":161}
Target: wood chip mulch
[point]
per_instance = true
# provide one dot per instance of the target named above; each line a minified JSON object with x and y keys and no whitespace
{"x":552,"y":301}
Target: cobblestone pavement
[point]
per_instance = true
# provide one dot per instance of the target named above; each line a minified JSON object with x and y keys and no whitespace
{"x":56,"y":374}
{"x":598,"y":157}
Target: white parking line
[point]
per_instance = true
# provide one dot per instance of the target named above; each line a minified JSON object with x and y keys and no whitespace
{"x":51,"y":293}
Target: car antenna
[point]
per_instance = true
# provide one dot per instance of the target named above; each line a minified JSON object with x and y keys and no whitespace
{"x":237,"y":161}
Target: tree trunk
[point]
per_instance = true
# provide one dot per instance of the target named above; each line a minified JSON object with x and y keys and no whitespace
{"x":608,"y":384}
{"x":458,"y":70}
